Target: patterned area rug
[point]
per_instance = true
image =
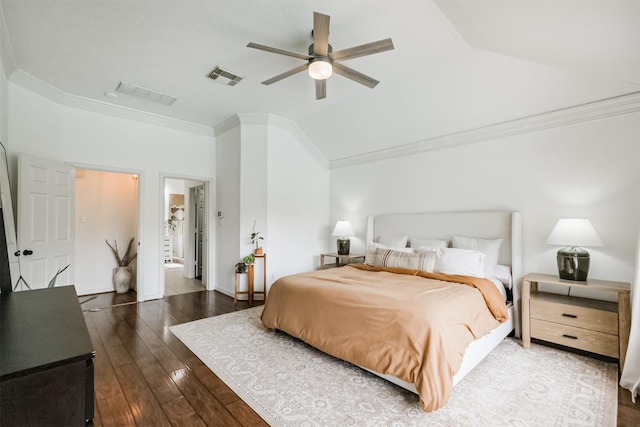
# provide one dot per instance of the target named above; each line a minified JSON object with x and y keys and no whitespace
{"x":289,"y":383}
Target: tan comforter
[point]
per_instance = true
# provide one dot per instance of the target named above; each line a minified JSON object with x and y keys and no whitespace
{"x":412,"y":327}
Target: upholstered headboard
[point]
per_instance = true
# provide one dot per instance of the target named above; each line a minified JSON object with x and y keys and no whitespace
{"x":443,"y":225}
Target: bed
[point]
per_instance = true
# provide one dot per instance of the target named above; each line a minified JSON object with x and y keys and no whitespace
{"x":400,"y":323}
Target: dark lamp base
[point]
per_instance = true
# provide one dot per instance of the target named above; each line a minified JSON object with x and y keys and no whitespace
{"x":344,"y":245}
{"x":573,"y":264}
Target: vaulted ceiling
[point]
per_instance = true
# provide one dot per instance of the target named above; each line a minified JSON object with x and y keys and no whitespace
{"x":457,"y":65}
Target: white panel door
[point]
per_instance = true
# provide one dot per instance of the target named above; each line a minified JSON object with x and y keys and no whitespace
{"x":46,"y":205}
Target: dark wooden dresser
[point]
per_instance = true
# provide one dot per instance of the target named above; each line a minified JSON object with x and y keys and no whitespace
{"x":46,"y":366}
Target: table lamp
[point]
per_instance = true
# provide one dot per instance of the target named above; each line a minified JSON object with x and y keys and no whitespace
{"x":573,"y":261}
{"x":343,"y":230}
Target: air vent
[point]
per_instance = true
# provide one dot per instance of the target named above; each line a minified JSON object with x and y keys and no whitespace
{"x":225,"y":77}
{"x":146,"y":94}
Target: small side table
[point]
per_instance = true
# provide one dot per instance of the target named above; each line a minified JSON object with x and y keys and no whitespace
{"x":596,"y":326}
{"x":340,"y":260}
{"x":250,"y":292}
{"x":262,"y":256}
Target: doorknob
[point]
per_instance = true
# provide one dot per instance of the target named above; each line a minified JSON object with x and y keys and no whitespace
{"x":27,"y":252}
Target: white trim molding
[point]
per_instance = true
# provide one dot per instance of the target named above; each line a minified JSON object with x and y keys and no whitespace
{"x":34,"y":84}
{"x":614,"y":106}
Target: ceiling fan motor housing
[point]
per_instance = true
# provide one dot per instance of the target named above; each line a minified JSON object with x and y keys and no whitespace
{"x":312,"y":52}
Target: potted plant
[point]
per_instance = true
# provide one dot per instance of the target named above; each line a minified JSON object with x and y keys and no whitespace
{"x":243,"y":265}
{"x":255,"y":239}
{"x":122,"y":273}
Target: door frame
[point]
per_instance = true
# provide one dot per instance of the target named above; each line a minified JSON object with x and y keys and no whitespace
{"x":209,"y":205}
{"x":193,"y":215}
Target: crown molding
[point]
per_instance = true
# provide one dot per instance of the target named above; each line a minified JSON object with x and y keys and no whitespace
{"x":226,"y":125}
{"x":596,"y":110}
{"x":32,"y":83}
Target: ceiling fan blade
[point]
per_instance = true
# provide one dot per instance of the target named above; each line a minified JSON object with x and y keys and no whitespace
{"x":320,"y":34}
{"x":362,"y":50}
{"x":286,"y":74}
{"x":321,"y":89}
{"x":279,"y":51}
{"x":354,"y":75}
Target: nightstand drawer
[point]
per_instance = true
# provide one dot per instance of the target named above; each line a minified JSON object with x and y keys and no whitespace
{"x":584,"y":339}
{"x":576,"y":312}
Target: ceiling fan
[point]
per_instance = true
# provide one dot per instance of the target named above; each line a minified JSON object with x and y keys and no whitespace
{"x":322,"y":61}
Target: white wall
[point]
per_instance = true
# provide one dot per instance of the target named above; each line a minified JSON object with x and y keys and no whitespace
{"x":108,"y":204}
{"x":254,"y":180}
{"x":45,"y":128}
{"x":588,"y":170}
{"x":269,"y":171}
{"x":227,"y":200}
{"x":298,"y":212}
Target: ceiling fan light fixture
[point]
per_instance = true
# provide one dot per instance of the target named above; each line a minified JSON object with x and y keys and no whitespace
{"x":320,"y":69}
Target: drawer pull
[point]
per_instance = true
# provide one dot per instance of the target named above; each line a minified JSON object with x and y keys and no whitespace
{"x":570,"y":336}
{"x":573,"y":316}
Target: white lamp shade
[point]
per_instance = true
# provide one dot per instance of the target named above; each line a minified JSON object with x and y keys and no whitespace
{"x":343,"y":229}
{"x":320,"y":70}
{"x":574,"y":232}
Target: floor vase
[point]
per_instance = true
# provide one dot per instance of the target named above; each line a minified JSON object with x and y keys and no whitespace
{"x":121,"y":279}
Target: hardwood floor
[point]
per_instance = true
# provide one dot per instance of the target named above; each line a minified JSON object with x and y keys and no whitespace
{"x":145,"y":376}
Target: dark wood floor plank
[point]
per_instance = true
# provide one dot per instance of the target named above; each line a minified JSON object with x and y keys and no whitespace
{"x":181,"y":413}
{"x":245,"y":415}
{"x":118,"y":355}
{"x":628,"y":412}
{"x":156,"y":377}
{"x":97,"y":419}
{"x":160,"y":351}
{"x":207,"y":406}
{"x":110,"y":400}
{"x":105,"y":381}
{"x":147,"y":411}
{"x":114,"y":411}
{"x":206,"y":376}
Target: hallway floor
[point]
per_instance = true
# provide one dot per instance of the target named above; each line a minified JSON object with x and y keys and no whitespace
{"x":175,"y":283}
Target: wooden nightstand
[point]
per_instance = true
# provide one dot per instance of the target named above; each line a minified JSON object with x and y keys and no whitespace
{"x":596,"y":326}
{"x":340,"y":260}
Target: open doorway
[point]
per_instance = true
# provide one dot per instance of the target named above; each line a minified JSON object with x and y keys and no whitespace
{"x":106,"y":209}
{"x":183,"y":242}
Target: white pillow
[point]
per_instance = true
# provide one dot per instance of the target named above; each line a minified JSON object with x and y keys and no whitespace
{"x":503,"y":274}
{"x":424,"y":261}
{"x":489,"y":247}
{"x":371,"y":251}
{"x":460,"y":261}
{"x":431,"y":243}
{"x":393,"y":240}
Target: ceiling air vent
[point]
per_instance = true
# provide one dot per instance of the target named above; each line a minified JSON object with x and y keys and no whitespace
{"x":146,"y":94}
{"x":225,"y":77}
